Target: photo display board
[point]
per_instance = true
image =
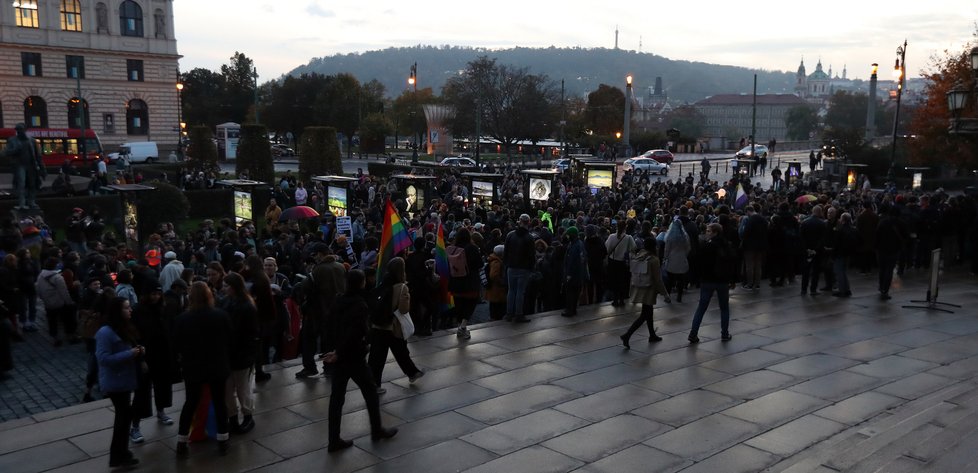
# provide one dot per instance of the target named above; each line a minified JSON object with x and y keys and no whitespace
{"x":540,"y":188}
{"x":336,"y":200}
{"x":598,"y":178}
{"x":242,"y":207}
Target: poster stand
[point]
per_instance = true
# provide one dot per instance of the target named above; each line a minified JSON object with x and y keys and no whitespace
{"x":933,"y":288}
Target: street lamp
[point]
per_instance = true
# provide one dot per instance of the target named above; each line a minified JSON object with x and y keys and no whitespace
{"x":871,"y":106}
{"x":255,"y":77}
{"x":957,"y":101}
{"x":413,"y":82}
{"x":900,"y":73}
{"x":628,"y":115}
{"x":180,"y":124}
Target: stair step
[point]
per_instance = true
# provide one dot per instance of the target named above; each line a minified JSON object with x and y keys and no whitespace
{"x":931,"y":448}
{"x":960,"y":457}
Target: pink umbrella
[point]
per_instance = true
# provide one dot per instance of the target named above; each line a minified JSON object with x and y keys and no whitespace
{"x":806,"y":199}
{"x":299,"y":212}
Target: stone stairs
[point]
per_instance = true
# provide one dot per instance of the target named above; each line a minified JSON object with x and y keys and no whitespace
{"x":936,"y":433}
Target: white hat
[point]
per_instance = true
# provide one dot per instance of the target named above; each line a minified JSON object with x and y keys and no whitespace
{"x":169,"y":255}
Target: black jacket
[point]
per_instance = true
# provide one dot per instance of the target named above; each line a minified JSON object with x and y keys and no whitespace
{"x":519,"y":250}
{"x":203,"y":340}
{"x":352,"y":315}
{"x":243,"y":341}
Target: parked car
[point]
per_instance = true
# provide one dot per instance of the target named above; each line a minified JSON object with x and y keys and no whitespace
{"x":561,"y":164}
{"x":282,"y":151}
{"x":661,"y":155}
{"x":645,"y":164}
{"x":137,"y":152}
{"x":459,"y":161}
{"x":759,"y":151}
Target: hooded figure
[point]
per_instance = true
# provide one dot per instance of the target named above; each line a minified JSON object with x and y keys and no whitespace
{"x":29,"y":170}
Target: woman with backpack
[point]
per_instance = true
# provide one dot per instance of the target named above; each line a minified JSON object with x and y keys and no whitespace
{"x":647,"y":281}
{"x":385,"y":331}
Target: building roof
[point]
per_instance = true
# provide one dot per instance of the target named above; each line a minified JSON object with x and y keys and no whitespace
{"x":747,"y":99}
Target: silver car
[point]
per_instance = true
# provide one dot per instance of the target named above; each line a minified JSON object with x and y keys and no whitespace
{"x":645,"y":164}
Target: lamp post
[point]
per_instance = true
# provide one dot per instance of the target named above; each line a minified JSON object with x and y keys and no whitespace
{"x":180,"y":124}
{"x":900,"y":72}
{"x":413,"y":82}
{"x":871,"y":107}
{"x":254,"y":75}
{"x":957,"y":101}
{"x":628,"y":115}
{"x":80,"y":108}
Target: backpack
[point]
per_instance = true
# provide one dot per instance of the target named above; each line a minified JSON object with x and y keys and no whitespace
{"x":457,"y":262}
{"x":725,"y":264}
{"x":639,"y":267}
{"x":381,"y":300}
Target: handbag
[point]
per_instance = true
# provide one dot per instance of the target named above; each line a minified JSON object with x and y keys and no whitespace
{"x":407,"y":325}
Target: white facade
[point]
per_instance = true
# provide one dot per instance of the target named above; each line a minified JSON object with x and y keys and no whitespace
{"x":129,"y":67}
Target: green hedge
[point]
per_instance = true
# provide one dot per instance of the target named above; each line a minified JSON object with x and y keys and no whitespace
{"x":255,"y":154}
{"x":202,"y":151}
{"x":319,"y":153}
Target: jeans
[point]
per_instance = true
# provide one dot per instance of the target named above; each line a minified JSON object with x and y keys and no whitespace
{"x":194,"y":391}
{"x":723,"y":297}
{"x":380,"y":342}
{"x":840,"y":266}
{"x":308,"y":338}
{"x":810,"y":270}
{"x":754,"y":261}
{"x":119,"y":448}
{"x":360,"y":374}
{"x":517,"y":280}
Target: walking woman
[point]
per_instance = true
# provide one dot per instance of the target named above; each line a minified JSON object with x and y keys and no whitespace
{"x":647,"y":289}
{"x":465,"y":289}
{"x":619,"y":246}
{"x":119,"y":359}
{"x":157,"y":381}
{"x":202,"y":334}
{"x":244,"y":344}
{"x":352,"y":313}
{"x":385,"y":332}
{"x":675,"y":258}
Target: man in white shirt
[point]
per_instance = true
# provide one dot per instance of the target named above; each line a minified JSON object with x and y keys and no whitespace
{"x":171,"y":272}
{"x":301,"y":195}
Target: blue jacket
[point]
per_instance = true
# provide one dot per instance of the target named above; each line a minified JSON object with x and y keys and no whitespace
{"x":117,"y":367}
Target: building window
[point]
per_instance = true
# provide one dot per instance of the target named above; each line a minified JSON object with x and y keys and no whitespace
{"x":71,"y":19}
{"x":101,"y":18}
{"x":137,"y":118}
{"x":75,"y":67}
{"x":130,"y":19}
{"x":76,"y":120}
{"x":31,"y":64}
{"x":35,"y":112}
{"x":134,"y":70}
{"x":26,"y":13}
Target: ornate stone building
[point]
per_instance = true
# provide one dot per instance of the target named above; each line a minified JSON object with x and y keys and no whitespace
{"x":728,"y":117}
{"x":119,"y":57}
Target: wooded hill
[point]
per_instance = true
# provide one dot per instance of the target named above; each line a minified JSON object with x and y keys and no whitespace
{"x":581,"y":69}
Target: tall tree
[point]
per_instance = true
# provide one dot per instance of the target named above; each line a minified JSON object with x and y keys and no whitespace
{"x":408,"y":115}
{"x":239,"y":87}
{"x":687,"y":120}
{"x":800,"y":121}
{"x":202,"y":97}
{"x":845,"y":122}
{"x":339,"y":107}
{"x":606,"y":110}
{"x":291,"y":103}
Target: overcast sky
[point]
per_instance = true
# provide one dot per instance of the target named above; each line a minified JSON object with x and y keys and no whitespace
{"x":774,"y":35}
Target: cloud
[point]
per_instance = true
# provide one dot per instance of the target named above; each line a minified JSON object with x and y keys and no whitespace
{"x":315,"y":9}
{"x":267,"y":8}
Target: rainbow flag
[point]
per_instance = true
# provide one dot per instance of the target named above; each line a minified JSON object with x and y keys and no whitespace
{"x":444,"y":272}
{"x":742,"y":199}
{"x":393,"y":240}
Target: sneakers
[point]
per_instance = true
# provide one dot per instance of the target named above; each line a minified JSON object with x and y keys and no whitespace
{"x":416,"y":376}
{"x":726,"y":337}
{"x":463,"y":333}
{"x":135,"y":436}
{"x":306,"y":373}
{"x":247,"y":424}
{"x":164,"y":419}
{"x":693,"y":339}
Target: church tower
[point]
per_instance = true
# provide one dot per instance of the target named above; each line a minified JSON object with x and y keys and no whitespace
{"x":801,"y":87}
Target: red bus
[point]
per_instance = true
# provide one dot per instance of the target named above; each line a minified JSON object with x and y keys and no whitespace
{"x":59,"y":144}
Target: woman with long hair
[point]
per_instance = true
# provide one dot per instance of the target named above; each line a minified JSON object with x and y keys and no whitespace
{"x":466,"y":289}
{"x":154,"y":334}
{"x":119,"y":358}
{"x":619,"y":245}
{"x":202,"y":336}
{"x":675,"y":258}
{"x":385,"y":333}
{"x":647,"y":289}
{"x":243,"y":350}
{"x":352,"y":313}
{"x":264,"y":300}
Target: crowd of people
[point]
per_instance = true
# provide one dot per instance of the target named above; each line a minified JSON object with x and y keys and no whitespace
{"x":212,"y":306}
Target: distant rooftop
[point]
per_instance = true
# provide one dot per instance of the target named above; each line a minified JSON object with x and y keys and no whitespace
{"x":747,"y":99}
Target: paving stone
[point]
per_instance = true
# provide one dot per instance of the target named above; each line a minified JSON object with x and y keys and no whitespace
{"x":414,"y":436}
{"x":524,"y":431}
{"x":682,"y":380}
{"x":739,"y":458}
{"x":450,"y":456}
{"x":531,"y":356}
{"x":837,"y":386}
{"x":961,"y":326}
{"x":349,"y":460}
{"x":796,"y":435}
{"x":776,"y":408}
{"x":426,"y":404}
{"x":52,"y":430}
{"x":671,"y":360}
{"x":893,"y":366}
{"x":743,"y":362}
{"x":602,"y":379}
{"x":961,"y":369}
{"x":606,"y":437}
{"x":702,"y":438}
{"x":941,"y":352}
{"x":859,"y":407}
{"x":595,"y":341}
{"x":43,"y":457}
{"x":866,"y":350}
{"x":449,"y":376}
{"x":306,"y":438}
{"x":607,"y":404}
{"x":812,"y":365}
{"x":917,"y":337}
{"x":752,"y":385}
{"x":637,"y":459}
{"x":534,"y":459}
{"x":741,"y":342}
{"x":443,"y":358}
{"x":915,"y":386}
{"x":686,"y":407}
{"x":802,"y":345}
{"x":598,"y":359}
{"x":508,"y":406}
{"x":520,"y":378}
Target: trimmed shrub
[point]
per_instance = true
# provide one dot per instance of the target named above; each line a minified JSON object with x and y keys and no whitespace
{"x":255,"y":154}
{"x":166,"y":204}
{"x":202,"y":152}
{"x":373,"y":133}
{"x":319,"y":153}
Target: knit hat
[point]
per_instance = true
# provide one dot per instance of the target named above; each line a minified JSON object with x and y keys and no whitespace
{"x":153,"y":257}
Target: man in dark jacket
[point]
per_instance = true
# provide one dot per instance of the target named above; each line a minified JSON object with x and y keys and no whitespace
{"x":813,"y":232}
{"x":575,"y":271}
{"x":891,"y":237}
{"x":753,"y":242}
{"x":519,"y":253}
{"x":716,"y":265}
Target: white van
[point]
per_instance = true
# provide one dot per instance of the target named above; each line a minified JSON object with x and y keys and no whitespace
{"x":137,"y":152}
